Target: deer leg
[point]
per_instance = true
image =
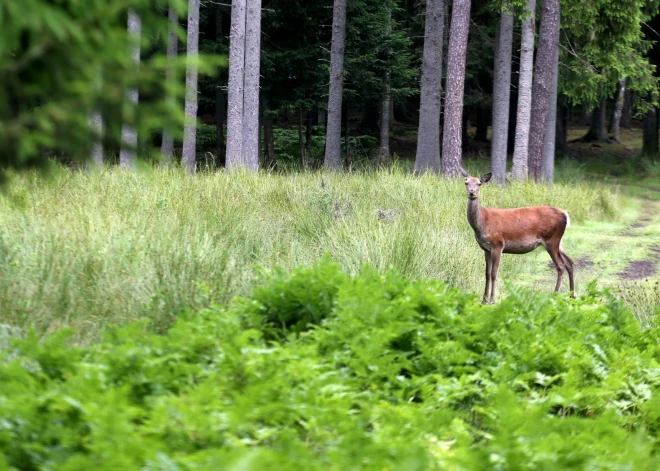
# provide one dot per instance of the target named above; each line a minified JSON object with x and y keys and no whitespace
{"x":489,"y":266}
{"x":556,"y":257}
{"x":496,"y":254}
{"x":570,"y":266}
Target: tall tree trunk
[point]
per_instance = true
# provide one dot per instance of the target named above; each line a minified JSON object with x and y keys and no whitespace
{"x":597,"y":130}
{"x":167,"y":145}
{"x":549,"y":140}
{"x":650,"y":136}
{"x":301,"y":142}
{"x":333,"y":131}
{"x":251,"y":85}
{"x":524,"y":114}
{"x":428,"y":135}
{"x":626,"y":120}
{"x":456,"y":56}
{"x":562,"y":128}
{"x":308,"y":136}
{"x":615,"y":124}
{"x":96,"y":126}
{"x":129,"y":138}
{"x":542,"y":86}
{"x":189,"y":153}
{"x":268,"y":135}
{"x":347,"y":139}
{"x":235,"y":158}
{"x":501,"y":94}
{"x":220,"y":101}
{"x":386,"y":109}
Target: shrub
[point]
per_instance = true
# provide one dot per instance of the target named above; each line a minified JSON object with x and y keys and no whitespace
{"x":385,"y":373}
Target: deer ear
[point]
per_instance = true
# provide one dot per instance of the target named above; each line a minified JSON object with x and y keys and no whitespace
{"x":485,"y":178}
{"x":463,"y":172}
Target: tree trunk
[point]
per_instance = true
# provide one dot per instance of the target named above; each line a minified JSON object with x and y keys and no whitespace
{"x":456,"y":56}
{"x":96,"y":126}
{"x":542,"y":87}
{"x":234,"y":153}
{"x":386,"y":109}
{"x":301,"y":142}
{"x":650,"y":136}
{"x":189,"y":153}
{"x":549,"y":140}
{"x":220,"y":102}
{"x":524,"y":112}
{"x":333,"y":131}
{"x":167,"y":145}
{"x":347,"y":140}
{"x":626,"y":121}
{"x":428,"y":135}
{"x":597,"y":130}
{"x":127,"y":154}
{"x":615,"y":124}
{"x":268,"y":135}
{"x":562,"y":127}
{"x":251,"y":85}
{"x":501,"y":94}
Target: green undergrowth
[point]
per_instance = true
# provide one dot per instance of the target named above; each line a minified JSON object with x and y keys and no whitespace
{"x":317,"y":369}
{"x":100,"y":249}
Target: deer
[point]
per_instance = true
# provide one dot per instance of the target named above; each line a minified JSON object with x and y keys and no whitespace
{"x":516,"y":231}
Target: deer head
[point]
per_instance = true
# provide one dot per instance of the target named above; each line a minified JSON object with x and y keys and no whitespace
{"x":472,"y":184}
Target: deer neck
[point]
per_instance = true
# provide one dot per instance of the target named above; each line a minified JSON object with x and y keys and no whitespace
{"x":474,"y":214}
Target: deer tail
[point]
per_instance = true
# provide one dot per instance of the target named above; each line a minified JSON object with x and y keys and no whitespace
{"x":567,"y":219}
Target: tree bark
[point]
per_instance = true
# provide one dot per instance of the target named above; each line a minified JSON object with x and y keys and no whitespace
{"x":456,"y":56}
{"x":542,"y":85}
{"x":128,"y":152}
{"x":549,"y":140}
{"x":428,"y":135}
{"x":333,"y":131}
{"x":189,"y":153}
{"x":235,"y":85}
{"x":501,"y":94}
{"x":268,"y":135}
{"x":650,"y":137}
{"x":615,"y":124}
{"x":347,"y":140}
{"x":167,"y":145}
{"x":597,"y":130}
{"x":301,"y":142}
{"x":627,"y":109}
{"x":96,"y":126}
{"x":386,"y":110}
{"x":524,"y":112}
{"x":251,"y":85}
{"x":220,"y":101}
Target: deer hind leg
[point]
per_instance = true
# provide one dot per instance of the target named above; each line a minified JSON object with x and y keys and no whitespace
{"x":496,"y":255}
{"x":489,"y":266}
{"x":570,"y":266}
{"x":557,"y":258}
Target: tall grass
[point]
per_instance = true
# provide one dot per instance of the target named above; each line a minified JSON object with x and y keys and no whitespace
{"x":86,"y":250}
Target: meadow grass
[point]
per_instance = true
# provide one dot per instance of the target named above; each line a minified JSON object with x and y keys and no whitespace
{"x":89,"y":250}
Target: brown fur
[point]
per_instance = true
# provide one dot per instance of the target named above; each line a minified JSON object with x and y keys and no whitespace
{"x":516,"y":231}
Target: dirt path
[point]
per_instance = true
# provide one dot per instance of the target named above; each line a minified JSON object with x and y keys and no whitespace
{"x":649,"y":215}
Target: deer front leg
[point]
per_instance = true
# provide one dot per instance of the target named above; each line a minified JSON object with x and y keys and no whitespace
{"x":496,"y":254}
{"x":489,"y":266}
